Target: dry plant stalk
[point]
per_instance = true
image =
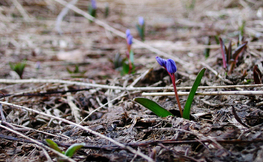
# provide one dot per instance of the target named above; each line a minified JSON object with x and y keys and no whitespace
{"x":205,"y":93}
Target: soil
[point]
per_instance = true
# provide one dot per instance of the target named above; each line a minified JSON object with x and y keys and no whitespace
{"x":94,"y":105}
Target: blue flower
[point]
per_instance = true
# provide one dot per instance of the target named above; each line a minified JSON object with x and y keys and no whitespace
{"x":161,"y":61}
{"x":141,"y":21}
{"x":93,"y":4}
{"x":129,"y":39}
{"x":171,"y":66}
{"x":128,"y":32}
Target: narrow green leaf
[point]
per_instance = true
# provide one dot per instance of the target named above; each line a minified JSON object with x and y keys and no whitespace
{"x":217,"y":39}
{"x":207,"y":50}
{"x":76,"y":69}
{"x":132,"y":56}
{"x":187,"y":107}
{"x":53,"y":145}
{"x":73,"y":149}
{"x":153,"y":106}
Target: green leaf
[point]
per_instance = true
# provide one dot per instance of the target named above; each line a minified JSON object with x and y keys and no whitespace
{"x":187,"y":107}
{"x":53,"y":145}
{"x":18,"y":68}
{"x":73,"y":149}
{"x":76,"y":69}
{"x":141,"y":31}
{"x":153,"y":106}
{"x":207,"y":50}
{"x":125,"y":67}
{"x":132,"y":56}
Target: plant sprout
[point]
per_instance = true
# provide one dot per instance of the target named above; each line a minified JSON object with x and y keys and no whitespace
{"x":141,"y":27}
{"x":129,"y":53}
{"x":18,"y":68}
{"x":229,"y":58}
{"x":92,"y":8}
{"x":171,"y":68}
{"x":69,"y":152}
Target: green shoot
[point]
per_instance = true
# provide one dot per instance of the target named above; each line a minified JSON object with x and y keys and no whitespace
{"x":18,"y":68}
{"x":161,"y":112}
{"x":187,"y":107}
{"x":70,"y":151}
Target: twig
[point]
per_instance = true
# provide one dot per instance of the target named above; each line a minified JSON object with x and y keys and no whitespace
{"x":21,"y":10}
{"x":9,"y":81}
{"x":205,"y":93}
{"x":38,"y":143}
{"x":42,"y":94}
{"x":119,"y":33}
{"x":21,"y":127}
{"x":73,"y":106}
{"x":84,"y":128}
{"x":2,"y":113}
{"x":62,"y":14}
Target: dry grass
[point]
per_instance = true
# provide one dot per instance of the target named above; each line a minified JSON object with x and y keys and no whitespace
{"x":97,"y":107}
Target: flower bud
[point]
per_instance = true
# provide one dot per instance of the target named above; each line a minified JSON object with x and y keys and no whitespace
{"x":161,"y":61}
{"x":93,"y":4}
{"x":129,"y":40}
{"x":171,"y":66}
{"x":141,"y":21}
{"x":128,"y":32}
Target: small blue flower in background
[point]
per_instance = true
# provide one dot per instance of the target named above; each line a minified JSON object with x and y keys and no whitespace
{"x":141,"y":21}
{"x":161,"y":61}
{"x":141,"y":27}
{"x":93,"y":4}
{"x":171,"y":66}
{"x":129,"y":39}
{"x":128,"y":32}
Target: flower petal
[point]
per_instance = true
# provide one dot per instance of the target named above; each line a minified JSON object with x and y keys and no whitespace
{"x":129,"y":39}
{"x":128,"y":32}
{"x":171,"y":66}
{"x":161,"y":61}
{"x":141,"y":21}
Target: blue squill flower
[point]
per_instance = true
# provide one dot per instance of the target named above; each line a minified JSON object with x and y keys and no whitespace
{"x":93,"y":4}
{"x":129,"y":40}
{"x":161,"y":61}
{"x":128,"y":32}
{"x":171,"y":66}
{"x":141,"y":21}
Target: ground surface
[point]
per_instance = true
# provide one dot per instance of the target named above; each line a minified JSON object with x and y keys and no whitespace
{"x":112,"y":126}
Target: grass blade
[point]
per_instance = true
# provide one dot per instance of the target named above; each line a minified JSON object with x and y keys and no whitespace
{"x":153,"y":106}
{"x":73,"y":149}
{"x":53,"y":145}
{"x":187,"y":107}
